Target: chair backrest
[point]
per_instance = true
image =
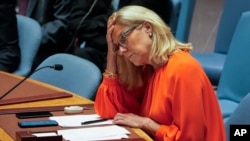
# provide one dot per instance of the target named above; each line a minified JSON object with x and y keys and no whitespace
{"x":181,"y":18}
{"x":231,"y":13}
{"x":240,"y":116}
{"x":30,"y":35}
{"x":235,"y":79}
{"x":79,"y":75}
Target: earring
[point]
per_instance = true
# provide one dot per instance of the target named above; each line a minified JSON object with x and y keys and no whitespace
{"x":150,"y":34}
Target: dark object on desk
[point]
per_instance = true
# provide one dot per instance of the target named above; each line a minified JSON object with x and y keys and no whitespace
{"x":38,"y":123}
{"x":93,"y":121}
{"x":37,"y":114}
{"x":27,"y":136}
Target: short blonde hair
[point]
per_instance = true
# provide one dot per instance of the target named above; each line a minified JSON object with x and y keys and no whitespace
{"x":164,"y":44}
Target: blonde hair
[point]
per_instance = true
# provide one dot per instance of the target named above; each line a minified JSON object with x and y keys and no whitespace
{"x":164,"y":43}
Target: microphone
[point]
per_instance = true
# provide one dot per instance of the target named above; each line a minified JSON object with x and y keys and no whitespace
{"x":57,"y":67}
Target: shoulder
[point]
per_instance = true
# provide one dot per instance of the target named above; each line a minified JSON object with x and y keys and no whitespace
{"x":183,"y":63}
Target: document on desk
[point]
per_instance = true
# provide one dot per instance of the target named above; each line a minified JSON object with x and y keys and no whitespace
{"x":77,"y":120}
{"x":94,"y":133}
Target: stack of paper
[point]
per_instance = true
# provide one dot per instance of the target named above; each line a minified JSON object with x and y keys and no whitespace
{"x":76,"y":120}
{"x":94,"y":133}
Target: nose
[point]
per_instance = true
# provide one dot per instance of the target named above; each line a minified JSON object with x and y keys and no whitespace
{"x":122,"y":50}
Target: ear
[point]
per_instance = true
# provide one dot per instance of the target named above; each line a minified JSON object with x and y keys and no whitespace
{"x":148,"y":27}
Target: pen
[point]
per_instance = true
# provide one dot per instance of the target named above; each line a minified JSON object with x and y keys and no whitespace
{"x":93,"y":121}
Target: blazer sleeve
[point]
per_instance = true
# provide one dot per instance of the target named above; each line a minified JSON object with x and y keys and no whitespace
{"x":112,"y":97}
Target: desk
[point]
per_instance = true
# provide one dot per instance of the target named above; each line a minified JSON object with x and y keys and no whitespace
{"x":74,"y":100}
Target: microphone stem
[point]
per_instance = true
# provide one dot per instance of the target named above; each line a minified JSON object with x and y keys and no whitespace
{"x":13,"y":88}
{"x":10,"y":90}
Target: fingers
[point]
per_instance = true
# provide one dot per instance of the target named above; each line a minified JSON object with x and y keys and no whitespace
{"x":109,"y":38}
{"x":110,"y":28}
{"x":111,"y":21}
{"x":119,"y":116}
{"x":119,"y":119}
{"x":123,"y":117}
{"x":109,"y":32}
{"x":130,"y":120}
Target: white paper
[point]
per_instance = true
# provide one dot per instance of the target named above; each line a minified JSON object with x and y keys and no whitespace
{"x":94,"y":133}
{"x":45,"y":134}
{"x":76,"y":120}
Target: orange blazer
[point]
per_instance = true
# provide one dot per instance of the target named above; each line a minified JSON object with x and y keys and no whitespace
{"x":178,"y":96}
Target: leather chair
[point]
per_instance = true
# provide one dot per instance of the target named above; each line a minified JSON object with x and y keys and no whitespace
{"x":235,"y":79}
{"x":213,"y":62}
{"x":78,"y":75}
{"x":30,"y":35}
{"x":181,"y":18}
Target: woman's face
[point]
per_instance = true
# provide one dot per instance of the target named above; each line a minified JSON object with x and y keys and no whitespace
{"x":133,"y":42}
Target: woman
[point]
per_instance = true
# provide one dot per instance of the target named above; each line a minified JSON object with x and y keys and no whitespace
{"x":153,"y":83}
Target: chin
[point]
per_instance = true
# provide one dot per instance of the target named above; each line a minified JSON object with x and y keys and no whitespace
{"x":137,"y":64}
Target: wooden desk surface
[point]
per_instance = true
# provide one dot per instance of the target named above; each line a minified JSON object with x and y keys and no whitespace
{"x":74,"y":100}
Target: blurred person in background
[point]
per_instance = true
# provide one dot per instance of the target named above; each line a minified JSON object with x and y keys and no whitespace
{"x":9,"y":47}
{"x":90,"y":21}
{"x":71,"y":26}
{"x":54,"y":17}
